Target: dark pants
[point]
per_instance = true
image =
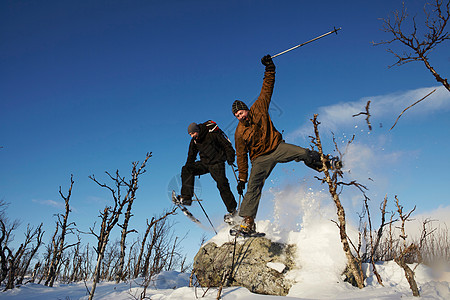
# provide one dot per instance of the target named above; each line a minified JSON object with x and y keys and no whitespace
{"x":217,"y":171}
{"x":263,"y":165}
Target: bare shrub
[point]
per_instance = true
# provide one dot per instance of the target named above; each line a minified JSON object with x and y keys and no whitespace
{"x":159,"y":250}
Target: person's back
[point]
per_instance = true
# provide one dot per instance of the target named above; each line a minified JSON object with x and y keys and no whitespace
{"x":212,"y":146}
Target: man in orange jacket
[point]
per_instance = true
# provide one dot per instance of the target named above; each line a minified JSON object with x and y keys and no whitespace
{"x":257,"y":137}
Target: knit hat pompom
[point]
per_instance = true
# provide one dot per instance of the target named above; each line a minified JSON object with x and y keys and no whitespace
{"x":193,"y":127}
{"x":237,"y":106}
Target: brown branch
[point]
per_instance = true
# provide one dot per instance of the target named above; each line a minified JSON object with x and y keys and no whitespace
{"x":407,"y":251}
{"x":366,"y":113}
{"x":437,"y":18}
{"x":409,"y":274}
{"x":354,"y":263}
{"x":410,"y":107}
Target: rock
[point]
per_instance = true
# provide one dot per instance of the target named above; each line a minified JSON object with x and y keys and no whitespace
{"x":258,"y":265}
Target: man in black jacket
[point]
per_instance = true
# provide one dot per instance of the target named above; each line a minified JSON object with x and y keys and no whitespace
{"x":214,"y":149}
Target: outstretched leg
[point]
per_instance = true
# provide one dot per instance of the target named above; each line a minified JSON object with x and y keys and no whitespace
{"x":188,"y":173}
{"x":288,"y":152}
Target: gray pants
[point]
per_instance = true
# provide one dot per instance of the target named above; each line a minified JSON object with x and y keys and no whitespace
{"x":263,"y":165}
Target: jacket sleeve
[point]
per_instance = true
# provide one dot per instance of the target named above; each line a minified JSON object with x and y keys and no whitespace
{"x":192,"y":153}
{"x":242,"y":156}
{"x":263,"y":101}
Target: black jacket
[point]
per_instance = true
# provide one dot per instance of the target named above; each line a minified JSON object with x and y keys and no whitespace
{"x":212,"y":145}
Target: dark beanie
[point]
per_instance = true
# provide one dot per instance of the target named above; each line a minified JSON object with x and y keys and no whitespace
{"x":193,"y":127}
{"x":237,"y":106}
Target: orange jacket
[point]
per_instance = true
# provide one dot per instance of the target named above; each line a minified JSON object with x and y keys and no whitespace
{"x":258,"y":136}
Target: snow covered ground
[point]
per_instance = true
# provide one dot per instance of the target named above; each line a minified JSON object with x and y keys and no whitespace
{"x":319,"y":254}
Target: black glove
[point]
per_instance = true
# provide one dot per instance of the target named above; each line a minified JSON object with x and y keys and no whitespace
{"x":241,"y":187}
{"x":267,"y":60}
{"x":230,"y":161}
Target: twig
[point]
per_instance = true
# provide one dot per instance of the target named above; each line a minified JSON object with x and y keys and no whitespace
{"x":410,"y":107}
{"x":365,"y":113}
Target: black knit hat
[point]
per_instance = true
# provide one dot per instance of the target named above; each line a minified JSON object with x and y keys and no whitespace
{"x":193,"y":127}
{"x":237,"y":106}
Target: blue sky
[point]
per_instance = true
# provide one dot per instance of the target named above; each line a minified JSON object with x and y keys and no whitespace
{"x":91,"y":86}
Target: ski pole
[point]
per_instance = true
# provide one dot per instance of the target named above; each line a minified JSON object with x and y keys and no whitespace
{"x":314,"y":39}
{"x":199,"y":202}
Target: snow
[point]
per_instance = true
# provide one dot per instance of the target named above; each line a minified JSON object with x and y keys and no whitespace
{"x":319,"y":253}
{"x":174,"y":285}
{"x":279,"y":267}
{"x":300,"y":218}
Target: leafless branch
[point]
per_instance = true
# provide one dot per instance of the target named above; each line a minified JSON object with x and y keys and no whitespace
{"x":437,"y":17}
{"x":354,"y":264}
{"x":410,"y":107}
{"x":367,"y":113}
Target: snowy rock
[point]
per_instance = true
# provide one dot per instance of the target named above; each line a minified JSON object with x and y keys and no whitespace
{"x":259,"y":264}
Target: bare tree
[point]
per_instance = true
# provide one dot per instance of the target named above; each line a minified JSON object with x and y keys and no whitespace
{"x":77,"y":260}
{"x":46,"y":262}
{"x":373,"y":244}
{"x":407,"y":250}
{"x":35,"y":271}
{"x":137,"y":268}
{"x":110,"y":261}
{"x":160,"y":251}
{"x":6,"y":229}
{"x":14,"y":259}
{"x":38,"y":234}
{"x":353,"y":263}
{"x":434,"y":243}
{"x":132,"y":253}
{"x":87,"y":265}
{"x":109,"y":219}
{"x":132,"y":186}
{"x":418,"y":49}
{"x":153,"y":256}
{"x":59,"y":241}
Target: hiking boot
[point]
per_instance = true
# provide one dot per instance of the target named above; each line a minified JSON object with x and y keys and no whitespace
{"x":184,"y":200}
{"x":332,"y":163}
{"x":247,"y":226}
{"x":229,"y":218}
{"x":335,"y":163}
